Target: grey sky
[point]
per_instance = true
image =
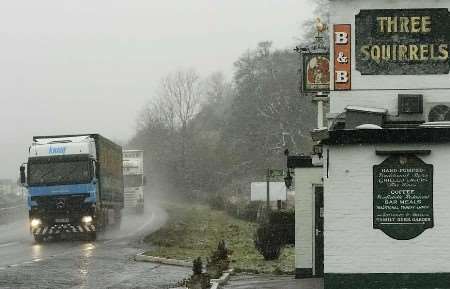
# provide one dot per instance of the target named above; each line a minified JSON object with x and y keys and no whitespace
{"x":89,"y":66}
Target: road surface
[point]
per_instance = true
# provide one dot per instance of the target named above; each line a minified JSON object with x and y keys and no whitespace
{"x":106,"y":263}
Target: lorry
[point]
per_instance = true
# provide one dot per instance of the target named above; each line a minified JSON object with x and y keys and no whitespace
{"x":134,"y":180}
{"x":74,"y":184}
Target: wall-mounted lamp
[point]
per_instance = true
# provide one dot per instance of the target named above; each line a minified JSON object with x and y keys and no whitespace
{"x":318,"y":150}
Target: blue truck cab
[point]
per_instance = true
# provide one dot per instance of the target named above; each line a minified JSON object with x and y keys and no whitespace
{"x":75,"y":185}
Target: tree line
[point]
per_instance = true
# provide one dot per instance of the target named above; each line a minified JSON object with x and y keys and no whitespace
{"x":213,"y":136}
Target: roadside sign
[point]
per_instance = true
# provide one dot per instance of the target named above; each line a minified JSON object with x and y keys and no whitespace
{"x":259,"y":191}
{"x":273,"y":173}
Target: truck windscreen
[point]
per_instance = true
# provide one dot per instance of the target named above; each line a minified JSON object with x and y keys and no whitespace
{"x":59,"y":172}
{"x":132,"y":181}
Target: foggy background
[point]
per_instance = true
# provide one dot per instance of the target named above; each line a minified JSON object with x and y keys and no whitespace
{"x":90,"y":66}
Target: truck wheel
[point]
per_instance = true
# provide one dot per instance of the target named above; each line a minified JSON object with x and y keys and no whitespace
{"x":38,"y":239}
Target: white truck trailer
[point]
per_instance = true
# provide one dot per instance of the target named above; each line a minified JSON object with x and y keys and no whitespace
{"x":134,"y":180}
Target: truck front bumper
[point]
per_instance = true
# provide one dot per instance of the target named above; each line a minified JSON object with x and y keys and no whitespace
{"x":58,"y":229}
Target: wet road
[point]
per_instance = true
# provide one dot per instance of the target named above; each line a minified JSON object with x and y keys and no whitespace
{"x":106,"y":263}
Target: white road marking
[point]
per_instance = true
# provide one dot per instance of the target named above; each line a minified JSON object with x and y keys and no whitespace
{"x":17,"y":265}
{"x":8,"y":244}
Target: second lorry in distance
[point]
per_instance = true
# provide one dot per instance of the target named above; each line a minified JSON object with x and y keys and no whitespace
{"x":134,"y":180}
{"x":75,"y":185}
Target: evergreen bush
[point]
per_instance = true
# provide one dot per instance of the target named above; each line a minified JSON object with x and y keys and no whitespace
{"x":217,"y":202}
{"x":219,"y":260}
{"x":198,"y":280}
{"x":284,"y":221}
{"x":268,"y":242}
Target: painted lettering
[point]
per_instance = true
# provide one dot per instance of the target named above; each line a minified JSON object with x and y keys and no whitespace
{"x":341,"y":38}
{"x":365,"y":50}
{"x":405,"y":53}
{"x":342,"y":76}
{"x":56,"y":150}
{"x":412,"y":24}
{"x":443,"y":51}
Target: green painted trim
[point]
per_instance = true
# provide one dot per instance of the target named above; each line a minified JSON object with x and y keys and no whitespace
{"x":302,"y":273}
{"x":387,"y":281}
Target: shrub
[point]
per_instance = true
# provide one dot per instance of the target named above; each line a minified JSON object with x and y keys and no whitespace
{"x":219,"y":261}
{"x":284,"y":221}
{"x":197,"y":266}
{"x":217,"y":202}
{"x":198,"y":280}
{"x":268,"y":242}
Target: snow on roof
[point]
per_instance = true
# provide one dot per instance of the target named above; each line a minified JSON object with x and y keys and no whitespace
{"x":71,"y":139}
{"x":366,"y":109}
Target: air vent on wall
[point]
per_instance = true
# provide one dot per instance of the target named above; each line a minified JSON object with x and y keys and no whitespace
{"x":410,"y":103}
{"x":439,"y":112}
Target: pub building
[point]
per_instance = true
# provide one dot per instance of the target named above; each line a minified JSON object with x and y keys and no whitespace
{"x":373,"y":200}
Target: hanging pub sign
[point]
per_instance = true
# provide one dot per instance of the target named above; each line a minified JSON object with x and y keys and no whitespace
{"x":342,"y":57}
{"x":316,"y":72}
{"x":403,"y":196}
{"x":403,"y":41}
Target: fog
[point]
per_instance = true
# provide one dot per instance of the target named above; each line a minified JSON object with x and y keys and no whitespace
{"x":89,"y":66}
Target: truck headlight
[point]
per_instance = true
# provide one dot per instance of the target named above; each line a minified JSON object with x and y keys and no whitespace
{"x":86,"y":219}
{"x":35,"y":223}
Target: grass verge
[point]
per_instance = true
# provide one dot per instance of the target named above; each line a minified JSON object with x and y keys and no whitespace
{"x":195,"y":230}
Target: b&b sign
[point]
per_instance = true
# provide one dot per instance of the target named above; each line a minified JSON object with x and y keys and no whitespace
{"x":342,"y":57}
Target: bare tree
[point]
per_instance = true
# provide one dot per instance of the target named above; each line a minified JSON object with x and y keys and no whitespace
{"x":216,"y":88}
{"x":157,"y":112}
{"x":180,"y":92}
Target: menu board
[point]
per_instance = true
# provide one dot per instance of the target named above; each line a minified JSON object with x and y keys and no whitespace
{"x":403,"y":196}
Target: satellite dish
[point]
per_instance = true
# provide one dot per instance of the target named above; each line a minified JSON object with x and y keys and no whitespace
{"x":368,"y":126}
{"x":439,"y":113}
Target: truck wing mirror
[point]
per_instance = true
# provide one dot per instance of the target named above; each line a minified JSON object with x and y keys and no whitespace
{"x":23,"y":178}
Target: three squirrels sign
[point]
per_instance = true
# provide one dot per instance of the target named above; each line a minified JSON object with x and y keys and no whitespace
{"x":402,"y":41}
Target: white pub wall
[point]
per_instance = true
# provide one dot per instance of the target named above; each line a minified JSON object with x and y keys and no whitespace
{"x":351,"y":243}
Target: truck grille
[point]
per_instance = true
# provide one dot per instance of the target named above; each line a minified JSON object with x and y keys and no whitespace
{"x":61,"y":209}
{"x":71,"y":202}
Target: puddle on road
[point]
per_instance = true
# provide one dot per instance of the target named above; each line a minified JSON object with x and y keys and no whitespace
{"x":133,"y":225}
